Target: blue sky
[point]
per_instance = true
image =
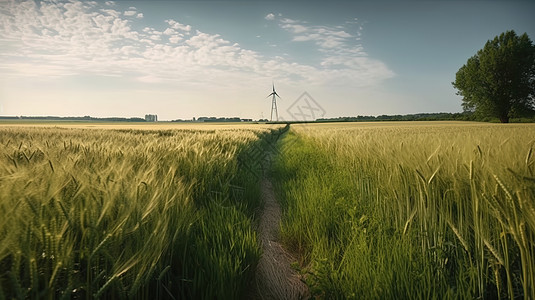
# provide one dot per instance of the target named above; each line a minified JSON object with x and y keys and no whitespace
{"x":183,"y":59}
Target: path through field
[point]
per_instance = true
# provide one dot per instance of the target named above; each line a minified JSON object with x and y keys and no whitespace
{"x":275,"y":278}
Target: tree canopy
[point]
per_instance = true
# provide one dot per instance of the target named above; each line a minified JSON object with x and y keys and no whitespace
{"x":499,"y":81}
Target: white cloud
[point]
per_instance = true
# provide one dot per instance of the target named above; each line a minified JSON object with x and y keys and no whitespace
{"x":111,"y":12}
{"x":324,"y":36}
{"x":176,"y":25}
{"x":56,"y":40}
{"x":169,"y":31}
{"x":295,"y":28}
{"x":340,"y":54}
{"x":288,"y":21}
{"x":270,"y":17}
{"x":304,"y":38}
{"x":139,"y":16}
{"x":175,"y":39}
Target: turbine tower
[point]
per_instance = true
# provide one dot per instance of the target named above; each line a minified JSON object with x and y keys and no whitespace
{"x":274,"y":103}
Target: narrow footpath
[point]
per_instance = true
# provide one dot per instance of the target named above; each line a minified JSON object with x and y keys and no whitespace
{"x":275,"y":278}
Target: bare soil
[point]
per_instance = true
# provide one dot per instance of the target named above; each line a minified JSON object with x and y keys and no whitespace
{"x":275,"y":278}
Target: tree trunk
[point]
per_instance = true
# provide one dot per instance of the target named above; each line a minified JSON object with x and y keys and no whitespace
{"x":504,"y":119}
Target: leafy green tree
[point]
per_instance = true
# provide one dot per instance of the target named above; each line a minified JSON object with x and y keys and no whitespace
{"x":499,"y":81}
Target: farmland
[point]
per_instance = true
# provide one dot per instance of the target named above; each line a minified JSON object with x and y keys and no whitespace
{"x":411,"y":210}
{"x":369,"y":210}
{"x":127,"y":212}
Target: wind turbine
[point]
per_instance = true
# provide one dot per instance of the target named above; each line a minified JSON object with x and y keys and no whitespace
{"x":274,"y":103}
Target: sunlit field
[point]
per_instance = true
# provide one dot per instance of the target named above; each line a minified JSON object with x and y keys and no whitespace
{"x":425,"y":210}
{"x":130,"y":212}
{"x":384,"y":210}
{"x":135,"y":125}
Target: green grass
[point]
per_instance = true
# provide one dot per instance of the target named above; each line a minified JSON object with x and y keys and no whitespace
{"x":127,"y":213}
{"x":434,"y":210}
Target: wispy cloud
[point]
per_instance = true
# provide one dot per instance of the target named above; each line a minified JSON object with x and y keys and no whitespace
{"x":64,"y":39}
{"x":340,"y":48}
{"x":326,"y":37}
{"x":56,"y":39}
{"x":176,"y":25}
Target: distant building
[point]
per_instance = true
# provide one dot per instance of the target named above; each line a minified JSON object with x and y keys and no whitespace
{"x":246,"y":120}
{"x":151,"y":118}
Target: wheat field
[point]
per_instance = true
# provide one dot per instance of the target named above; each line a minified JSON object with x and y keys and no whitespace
{"x":127,"y":211}
{"x":425,"y":210}
{"x":387,"y":210}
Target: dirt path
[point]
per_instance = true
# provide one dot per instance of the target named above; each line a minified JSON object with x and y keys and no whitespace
{"x":275,"y":278}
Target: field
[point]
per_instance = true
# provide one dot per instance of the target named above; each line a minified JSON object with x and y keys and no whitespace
{"x":411,"y":210}
{"x":371,"y":210}
{"x":128,"y":212}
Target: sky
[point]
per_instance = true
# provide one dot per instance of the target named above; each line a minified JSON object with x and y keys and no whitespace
{"x":184,"y":59}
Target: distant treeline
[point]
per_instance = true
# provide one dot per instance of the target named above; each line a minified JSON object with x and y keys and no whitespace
{"x":464,"y":116}
{"x":215,"y":119}
{"x":85,"y":118}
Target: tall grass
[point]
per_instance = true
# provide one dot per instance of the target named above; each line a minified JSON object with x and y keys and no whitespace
{"x":126,"y":213}
{"x":434,"y":210}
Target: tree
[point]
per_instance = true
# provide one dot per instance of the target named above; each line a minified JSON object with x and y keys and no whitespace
{"x":499,"y":81}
